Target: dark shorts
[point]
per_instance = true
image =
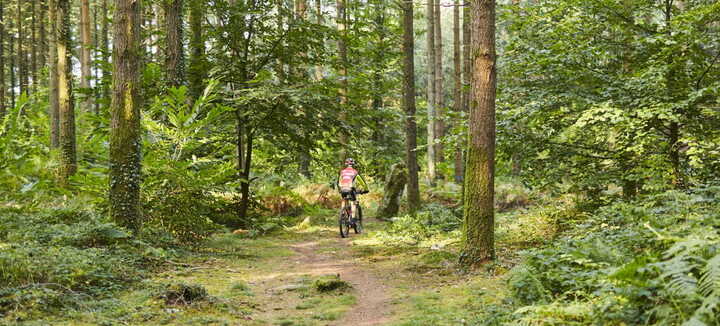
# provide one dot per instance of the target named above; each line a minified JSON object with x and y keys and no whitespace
{"x":349,"y":195}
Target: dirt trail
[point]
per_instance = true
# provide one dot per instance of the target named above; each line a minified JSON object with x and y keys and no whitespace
{"x":373,"y":299}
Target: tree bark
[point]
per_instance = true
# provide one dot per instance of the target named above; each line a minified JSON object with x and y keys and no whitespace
{"x":66,"y":107}
{"x":431,"y":80}
{"x":342,"y":52}
{"x":479,"y":215}
{"x":197,"y":69}
{"x":33,"y":45}
{"x":439,"y":94}
{"x":85,"y":60}
{"x":53,"y":103}
{"x":245,"y":184}
{"x":457,"y":90}
{"x":174,"y":59}
{"x":125,"y":116}
{"x":21,"y":55}
{"x":105,"y":46}
{"x":11,"y":65}
{"x":43,"y":41}
{"x":467,"y":63}
{"x":96,"y":66}
{"x":413,"y":188}
{"x":2,"y":60}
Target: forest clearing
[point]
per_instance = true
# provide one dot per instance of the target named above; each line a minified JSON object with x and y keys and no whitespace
{"x":369,"y":162}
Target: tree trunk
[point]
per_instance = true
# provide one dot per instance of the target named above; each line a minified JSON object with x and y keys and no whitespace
{"x":377,"y":89}
{"x":85,"y":47}
{"x":457,"y":90}
{"x":342,"y":52}
{"x":431,"y":80}
{"x":105,"y":46}
{"x":439,"y":94}
{"x":11,"y":65}
{"x":467,"y":63}
{"x":394,"y":184}
{"x":33,"y":45}
{"x":174,"y":60}
{"x":53,"y":103}
{"x":319,"y":72}
{"x":43,"y":41}
{"x":96,"y":65}
{"x":197,"y":69}
{"x":304,"y":156}
{"x":413,"y":189}
{"x":125,"y":116}
{"x":21,"y":55}
{"x":2,"y":61}
{"x":479,"y":176}
{"x":467,"y":77}
{"x":66,"y":107}
{"x":245,"y":182}
{"x":678,"y":177}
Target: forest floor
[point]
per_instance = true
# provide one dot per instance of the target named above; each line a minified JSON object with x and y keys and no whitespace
{"x":272,"y":280}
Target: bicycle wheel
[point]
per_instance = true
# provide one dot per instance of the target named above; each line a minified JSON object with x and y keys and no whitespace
{"x":358,"y":225}
{"x":344,"y":224}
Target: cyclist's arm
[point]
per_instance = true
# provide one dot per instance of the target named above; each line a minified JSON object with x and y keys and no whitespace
{"x":361,"y":180}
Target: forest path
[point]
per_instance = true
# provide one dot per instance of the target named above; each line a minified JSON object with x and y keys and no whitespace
{"x":373,"y":300}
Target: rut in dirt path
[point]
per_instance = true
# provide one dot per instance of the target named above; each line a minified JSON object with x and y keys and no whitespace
{"x":373,"y":298}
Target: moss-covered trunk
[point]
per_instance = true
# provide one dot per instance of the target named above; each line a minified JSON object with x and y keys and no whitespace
{"x":394,"y":185}
{"x":413,"y":188}
{"x":66,"y":106}
{"x":197,"y":66}
{"x":125,"y":116}
{"x":2,"y":61}
{"x":480,"y":169}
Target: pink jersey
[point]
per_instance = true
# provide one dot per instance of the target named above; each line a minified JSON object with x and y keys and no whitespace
{"x":347,"y":178}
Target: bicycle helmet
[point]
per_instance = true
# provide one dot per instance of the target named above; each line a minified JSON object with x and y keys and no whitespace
{"x":349,"y":161}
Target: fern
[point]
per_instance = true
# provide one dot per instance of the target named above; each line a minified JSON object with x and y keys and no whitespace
{"x":710,"y":280}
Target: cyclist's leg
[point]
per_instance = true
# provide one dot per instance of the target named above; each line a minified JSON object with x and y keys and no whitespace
{"x":353,"y":203}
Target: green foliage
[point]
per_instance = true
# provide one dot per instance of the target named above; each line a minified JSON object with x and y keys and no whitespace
{"x":651,"y":262}
{"x":25,"y":170}
{"x":62,"y":258}
{"x":430,"y":221}
{"x":610,"y":92}
{"x":187,"y":171}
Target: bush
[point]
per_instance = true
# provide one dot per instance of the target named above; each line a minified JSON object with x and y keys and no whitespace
{"x":187,"y":213}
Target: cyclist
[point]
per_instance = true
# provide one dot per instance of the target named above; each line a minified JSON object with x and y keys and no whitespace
{"x":349,"y":178}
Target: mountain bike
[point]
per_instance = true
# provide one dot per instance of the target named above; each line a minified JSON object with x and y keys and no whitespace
{"x":346,"y":220}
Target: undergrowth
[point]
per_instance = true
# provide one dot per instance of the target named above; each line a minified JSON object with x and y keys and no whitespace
{"x":57,"y":259}
{"x":649,"y":262}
